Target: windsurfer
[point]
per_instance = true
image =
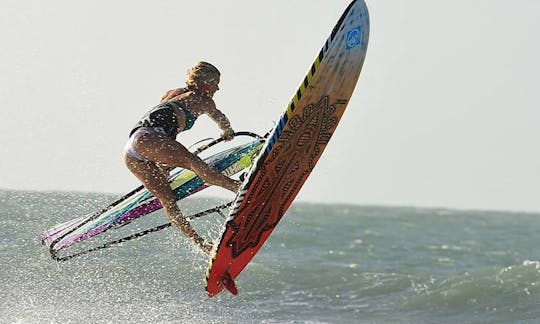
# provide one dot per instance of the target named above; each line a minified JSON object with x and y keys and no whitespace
{"x":152,"y":149}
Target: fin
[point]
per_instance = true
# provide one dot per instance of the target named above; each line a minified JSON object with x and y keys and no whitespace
{"x":229,"y":284}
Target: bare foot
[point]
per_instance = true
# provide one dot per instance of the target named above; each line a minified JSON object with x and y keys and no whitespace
{"x":207,"y":248}
{"x":234,"y":186}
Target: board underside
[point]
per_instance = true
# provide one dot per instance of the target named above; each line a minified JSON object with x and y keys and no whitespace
{"x":294,"y":147}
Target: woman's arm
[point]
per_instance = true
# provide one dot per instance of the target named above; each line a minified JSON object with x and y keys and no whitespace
{"x":222,"y":121}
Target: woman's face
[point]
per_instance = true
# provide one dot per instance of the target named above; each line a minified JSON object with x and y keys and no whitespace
{"x":209,"y":86}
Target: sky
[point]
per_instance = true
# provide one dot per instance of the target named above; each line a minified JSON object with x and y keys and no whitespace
{"x":446,"y":112}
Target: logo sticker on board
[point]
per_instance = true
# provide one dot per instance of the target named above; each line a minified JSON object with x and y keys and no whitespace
{"x":354,"y":37}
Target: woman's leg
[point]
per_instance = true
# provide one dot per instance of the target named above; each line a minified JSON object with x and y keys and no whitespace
{"x":153,"y":179}
{"x":157,"y":147}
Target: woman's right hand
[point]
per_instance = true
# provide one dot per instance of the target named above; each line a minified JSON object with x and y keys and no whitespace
{"x":228,"y":134}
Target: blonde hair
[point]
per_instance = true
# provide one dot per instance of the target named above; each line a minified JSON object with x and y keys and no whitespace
{"x":200,"y":72}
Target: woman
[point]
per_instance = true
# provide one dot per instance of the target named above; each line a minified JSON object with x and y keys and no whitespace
{"x":152,"y":149}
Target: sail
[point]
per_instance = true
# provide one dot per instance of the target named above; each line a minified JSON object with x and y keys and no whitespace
{"x":140,"y":201}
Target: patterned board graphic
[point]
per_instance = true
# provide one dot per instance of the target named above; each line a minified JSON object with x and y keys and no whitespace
{"x":294,"y":147}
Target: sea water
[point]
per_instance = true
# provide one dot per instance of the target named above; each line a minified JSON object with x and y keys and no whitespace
{"x":324,"y":263}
